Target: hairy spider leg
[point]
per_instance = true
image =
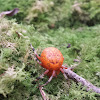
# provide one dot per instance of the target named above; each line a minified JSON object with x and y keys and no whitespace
{"x":63,"y":67}
{"x":38,"y":58}
{"x":53,"y":74}
{"x":63,"y":73}
{"x":36,"y":54}
{"x":41,"y":76}
{"x":61,"y":70}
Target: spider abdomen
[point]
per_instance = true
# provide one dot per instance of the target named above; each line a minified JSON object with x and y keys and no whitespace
{"x":51,"y":58}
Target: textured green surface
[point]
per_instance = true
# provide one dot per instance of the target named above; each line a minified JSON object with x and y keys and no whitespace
{"x":85,"y":42}
{"x":56,"y":24}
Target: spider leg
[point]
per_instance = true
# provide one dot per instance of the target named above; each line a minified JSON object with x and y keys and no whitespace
{"x":38,"y":62}
{"x":53,"y":74}
{"x":63,"y":73}
{"x":61,"y":70}
{"x":63,"y":67}
{"x":37,"y":56}
{"x":41,"y":76}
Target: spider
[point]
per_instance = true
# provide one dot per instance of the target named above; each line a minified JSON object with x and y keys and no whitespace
{"x":52,"y":60}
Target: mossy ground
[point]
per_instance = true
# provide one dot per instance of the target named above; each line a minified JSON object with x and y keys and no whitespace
{"x":54,"y":23}
{"x":15,"y":51}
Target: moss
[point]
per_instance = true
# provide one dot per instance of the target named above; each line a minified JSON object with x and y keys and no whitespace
{"x":52,"y":14}
{"x":15,"y":52}
{"x":49,"y":27}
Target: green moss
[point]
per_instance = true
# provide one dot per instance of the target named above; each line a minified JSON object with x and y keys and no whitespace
{"x":49,"y":27}
{"x":52,"y":14}
{"x":15,"y":51}
{"x":22,"y":5}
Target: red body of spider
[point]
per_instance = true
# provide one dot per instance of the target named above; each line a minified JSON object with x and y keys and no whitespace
{"x":52,"y":59}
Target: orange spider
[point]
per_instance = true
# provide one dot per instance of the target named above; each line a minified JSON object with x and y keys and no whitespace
{"x":51,"y":59}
